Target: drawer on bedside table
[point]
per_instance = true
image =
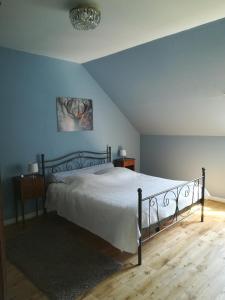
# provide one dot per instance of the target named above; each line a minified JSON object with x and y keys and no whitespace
{"x":31,"y":186}
{"x":28,"y":187}
{"x":126,"y":163}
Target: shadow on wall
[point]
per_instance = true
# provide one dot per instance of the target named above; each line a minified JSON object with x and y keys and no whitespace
{"x":182,"y":157}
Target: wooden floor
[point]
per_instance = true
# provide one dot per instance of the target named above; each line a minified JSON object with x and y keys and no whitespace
{"x":185,"y":262}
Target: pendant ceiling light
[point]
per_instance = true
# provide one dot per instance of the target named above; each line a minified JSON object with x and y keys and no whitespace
{"x":85,"y":18}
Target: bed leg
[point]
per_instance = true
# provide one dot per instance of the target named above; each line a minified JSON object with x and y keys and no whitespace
{"x":202,"y":213}
{"x":45,"y":186}
{"x":203,"y":195}
{"x":139,"y":255}
{"x":140,"y":226}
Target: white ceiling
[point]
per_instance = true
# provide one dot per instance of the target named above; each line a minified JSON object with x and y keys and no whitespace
{"x":43,"y":26}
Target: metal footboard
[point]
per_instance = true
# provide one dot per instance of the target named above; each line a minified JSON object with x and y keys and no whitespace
{"x":193,"y":190}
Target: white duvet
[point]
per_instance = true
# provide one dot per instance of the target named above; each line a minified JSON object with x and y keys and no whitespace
{"x":106,"y":204}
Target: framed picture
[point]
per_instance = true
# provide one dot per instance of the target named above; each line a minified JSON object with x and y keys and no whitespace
{"x":74,"y":114}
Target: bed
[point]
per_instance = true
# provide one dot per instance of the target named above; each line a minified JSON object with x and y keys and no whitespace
{"x":121,"y":206}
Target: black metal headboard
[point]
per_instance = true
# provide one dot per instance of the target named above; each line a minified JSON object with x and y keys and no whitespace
{"x":74,"y":160}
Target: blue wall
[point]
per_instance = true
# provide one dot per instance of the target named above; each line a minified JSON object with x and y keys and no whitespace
{"x":171,"y":86}
{"x":172,"y":90}
{"x":182,"y":157}
{"x":29,"y":85}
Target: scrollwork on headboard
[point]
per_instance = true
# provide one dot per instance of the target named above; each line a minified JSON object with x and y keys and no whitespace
{"x":74,"y":160}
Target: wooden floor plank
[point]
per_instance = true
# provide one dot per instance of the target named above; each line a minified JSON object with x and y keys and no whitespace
{"x":185,"y":262}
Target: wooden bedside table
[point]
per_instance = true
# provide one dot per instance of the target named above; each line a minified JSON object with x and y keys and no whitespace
{"x":125,"y":162}
{"x":27,"y":188}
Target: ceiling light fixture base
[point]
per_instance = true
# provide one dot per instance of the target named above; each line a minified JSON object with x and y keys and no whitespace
{"x":85,"y":18}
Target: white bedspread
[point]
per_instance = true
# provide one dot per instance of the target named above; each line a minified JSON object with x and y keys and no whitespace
{"x":107,"y":204}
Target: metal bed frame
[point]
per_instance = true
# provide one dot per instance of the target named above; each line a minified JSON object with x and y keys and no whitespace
{"x":72,"y":161}
{"x":82,"y":159}
{"x":188,"y":189}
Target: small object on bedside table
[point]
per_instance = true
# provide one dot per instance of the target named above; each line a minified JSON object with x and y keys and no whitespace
{"x":33,"y":168}
{"x":123,"y":153}
{"x":26,"y":188}
{"x":128,"y":163}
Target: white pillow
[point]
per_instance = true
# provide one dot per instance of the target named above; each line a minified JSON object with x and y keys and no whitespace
{"x":61,"y":176}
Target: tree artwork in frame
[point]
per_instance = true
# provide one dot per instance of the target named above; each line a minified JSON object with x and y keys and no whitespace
{"x":74,"y":114}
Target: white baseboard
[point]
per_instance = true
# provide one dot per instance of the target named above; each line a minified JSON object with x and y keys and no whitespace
{"x":27,"y":216}
{"x":218,"y":199}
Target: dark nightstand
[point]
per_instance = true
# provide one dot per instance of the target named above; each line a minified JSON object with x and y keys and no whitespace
{"x":125,"y":162}
{"x":27,"y":188}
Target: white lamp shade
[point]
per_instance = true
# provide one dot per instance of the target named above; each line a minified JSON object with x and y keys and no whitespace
{"x":123,"y":152}
{"x":33,"y":167}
